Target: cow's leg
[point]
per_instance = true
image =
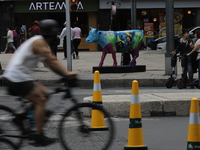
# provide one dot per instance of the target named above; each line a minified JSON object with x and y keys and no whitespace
{"x":114,"y":58}
{"x":134,"y":55}
{"x":104,"y":53}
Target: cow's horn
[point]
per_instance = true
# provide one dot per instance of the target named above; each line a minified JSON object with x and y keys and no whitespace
{"x":98,"y":27}
{"x":90,"y":27}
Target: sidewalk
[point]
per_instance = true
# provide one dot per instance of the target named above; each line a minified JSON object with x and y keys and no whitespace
{"x":161,"y":104}
{"x":153,"y":77}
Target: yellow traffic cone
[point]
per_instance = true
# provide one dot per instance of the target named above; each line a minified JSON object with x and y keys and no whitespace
{"x":193,"y":142}
{"x":97,"y":120}
{"x":135,"y":132}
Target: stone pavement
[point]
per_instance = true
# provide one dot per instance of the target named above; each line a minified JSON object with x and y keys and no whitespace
{"x":153,"y":77}
{"x":118,"y":105}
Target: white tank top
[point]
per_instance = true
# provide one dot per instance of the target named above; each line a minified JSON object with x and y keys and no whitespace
{"x":22,"y":62}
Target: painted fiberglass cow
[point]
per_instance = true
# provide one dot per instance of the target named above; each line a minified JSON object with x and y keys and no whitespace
{"x":117,"y":41}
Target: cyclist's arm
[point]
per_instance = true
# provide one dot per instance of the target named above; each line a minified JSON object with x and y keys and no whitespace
{"x":40,"y":47}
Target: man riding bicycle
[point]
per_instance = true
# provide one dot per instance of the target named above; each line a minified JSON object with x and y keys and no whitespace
{"x":18,"y":78}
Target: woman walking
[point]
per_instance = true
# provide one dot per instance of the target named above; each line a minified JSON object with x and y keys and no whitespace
{"x":197,"y":48}
{"x":76,"y":38}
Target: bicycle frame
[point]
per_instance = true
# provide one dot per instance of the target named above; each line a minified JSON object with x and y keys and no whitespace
{"x":58,"y":105}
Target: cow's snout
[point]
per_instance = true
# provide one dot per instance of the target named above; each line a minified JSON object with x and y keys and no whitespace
{"x":88,"y":40}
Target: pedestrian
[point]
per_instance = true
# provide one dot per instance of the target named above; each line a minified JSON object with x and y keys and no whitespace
{"x":34,"y":30}
{"x":197,"y":49}
{"x":185,"y":46}
{"x":76,"y":38}
{"x":20,"y":83}
{"x":10,"y":40}
{"x":21,"y":35}
{"x":63,"y":35}
{"x":15,"y":37}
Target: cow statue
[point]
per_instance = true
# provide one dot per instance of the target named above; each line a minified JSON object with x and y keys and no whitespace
{"x":117,"y":41}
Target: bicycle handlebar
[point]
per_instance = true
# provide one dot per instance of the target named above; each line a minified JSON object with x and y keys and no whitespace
{"x":70,"y":81}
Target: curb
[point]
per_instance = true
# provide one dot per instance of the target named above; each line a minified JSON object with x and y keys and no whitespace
{"x":119,"y":106}
{"x":107,"y":83}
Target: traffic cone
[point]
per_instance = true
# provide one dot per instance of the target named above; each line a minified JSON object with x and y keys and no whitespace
{"x":193,"y":142}
{"x":135,"y":132}
{"x":97,"y":119}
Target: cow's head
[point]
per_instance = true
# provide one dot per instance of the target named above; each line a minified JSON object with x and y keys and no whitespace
{"x":93,"y":36}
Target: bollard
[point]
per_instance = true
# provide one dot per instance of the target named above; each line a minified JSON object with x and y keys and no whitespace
{"x":193,"y":142}
{"x":97,"y":119}
{"x":135,"y":132}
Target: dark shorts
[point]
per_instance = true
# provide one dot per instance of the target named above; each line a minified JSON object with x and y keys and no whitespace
{"x":19,"y":88}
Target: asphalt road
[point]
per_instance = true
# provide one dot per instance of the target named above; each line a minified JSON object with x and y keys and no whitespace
{"x":160,"y":133}
{"x":166,"y":133}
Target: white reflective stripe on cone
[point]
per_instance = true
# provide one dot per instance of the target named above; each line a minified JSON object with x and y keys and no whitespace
{"x":97,"y":87}
{"x":135,"y":99}
{"x":194,"y":118}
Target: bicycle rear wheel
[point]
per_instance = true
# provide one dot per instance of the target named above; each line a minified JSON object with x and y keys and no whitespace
{"x":7,"y":128}
{"x":96,"y":133}
{"x":6,"y":144}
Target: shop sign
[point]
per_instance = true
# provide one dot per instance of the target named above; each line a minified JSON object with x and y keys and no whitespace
{"x":178,"y":25}
{"x":50,"y":6}
{"x":148,"y":29}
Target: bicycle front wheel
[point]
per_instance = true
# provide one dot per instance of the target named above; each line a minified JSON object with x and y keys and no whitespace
{"x":6,"y":144}
{"x":95,"y":131}
{"x":7,"y":128}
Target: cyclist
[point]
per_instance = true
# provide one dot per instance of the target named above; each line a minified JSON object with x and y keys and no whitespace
{"x":20,"y":82}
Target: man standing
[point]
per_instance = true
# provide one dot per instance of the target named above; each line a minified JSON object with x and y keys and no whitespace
{"x":10,"y":41}
{"x":63,"y":35}
{"x":34,"y":30}
{"x":185,"y":46}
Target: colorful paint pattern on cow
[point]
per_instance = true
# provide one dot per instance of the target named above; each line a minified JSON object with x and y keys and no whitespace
{"x":117,"y":41}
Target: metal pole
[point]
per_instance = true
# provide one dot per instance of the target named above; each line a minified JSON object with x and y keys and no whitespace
{"x":169,"y":4}
{"x":68,"y":37}
{"x":133,"y":14}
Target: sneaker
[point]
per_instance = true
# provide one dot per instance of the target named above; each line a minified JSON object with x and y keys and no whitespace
{"x":64,"y":58}
{"x":77,"y":57}
{"x":2,"y":52}
{"x":41,"y":140}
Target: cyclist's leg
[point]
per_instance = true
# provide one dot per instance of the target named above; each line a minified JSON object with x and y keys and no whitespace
{"x":37,"y":96}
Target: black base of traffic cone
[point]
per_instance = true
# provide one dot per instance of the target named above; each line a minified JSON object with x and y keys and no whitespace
{"x":136,"y":148}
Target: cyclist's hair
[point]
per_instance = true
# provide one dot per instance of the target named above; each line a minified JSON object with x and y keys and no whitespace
{"x":198,"y":34}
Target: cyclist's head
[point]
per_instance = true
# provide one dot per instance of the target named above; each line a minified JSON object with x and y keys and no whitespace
{"x":48,"y":28}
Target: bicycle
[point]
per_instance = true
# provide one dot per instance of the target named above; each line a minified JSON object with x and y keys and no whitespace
{"x":6,"y":144}
{"x":75,"y":129}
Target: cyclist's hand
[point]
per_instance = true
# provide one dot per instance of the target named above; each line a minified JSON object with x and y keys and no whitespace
{"x":71,"y":80}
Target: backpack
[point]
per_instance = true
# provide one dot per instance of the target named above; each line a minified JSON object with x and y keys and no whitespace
{"x":30,"y":32}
